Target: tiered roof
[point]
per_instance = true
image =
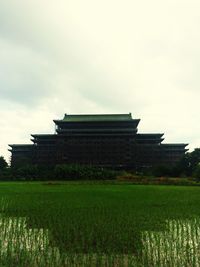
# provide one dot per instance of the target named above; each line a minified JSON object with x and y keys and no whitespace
{"x":97,"y":117}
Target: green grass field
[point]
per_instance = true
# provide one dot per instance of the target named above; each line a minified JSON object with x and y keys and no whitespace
{"x":99,"y":224}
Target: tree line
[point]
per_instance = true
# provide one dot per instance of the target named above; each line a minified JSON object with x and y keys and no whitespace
{"x":188,"y":166}
{"x":58,"y":172}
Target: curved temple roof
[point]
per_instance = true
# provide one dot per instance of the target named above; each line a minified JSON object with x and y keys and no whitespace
{"x":97,"y":117}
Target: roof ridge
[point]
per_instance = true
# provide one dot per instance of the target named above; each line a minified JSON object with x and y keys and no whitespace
{"x":98,"y":114}
{"x":101,"y":117}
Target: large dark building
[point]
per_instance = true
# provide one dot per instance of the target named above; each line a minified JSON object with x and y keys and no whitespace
{"x":109,"y":140}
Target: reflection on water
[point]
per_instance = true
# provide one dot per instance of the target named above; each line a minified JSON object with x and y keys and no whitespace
{"x":17,"y":240}
{"x":14,"y":231}
{"x":178,"y":245}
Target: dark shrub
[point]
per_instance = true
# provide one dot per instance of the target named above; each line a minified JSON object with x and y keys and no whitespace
{"x":82,"y":172}
{"x":162,"y":170}
{"x":196,"y":173}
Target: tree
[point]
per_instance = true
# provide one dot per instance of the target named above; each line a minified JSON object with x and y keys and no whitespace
{"x":190,"y":161}
{"x":196,"y":172}
{"x":3,"y":163}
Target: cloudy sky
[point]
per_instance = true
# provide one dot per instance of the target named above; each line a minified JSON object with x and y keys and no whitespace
{"x":92,"y":56}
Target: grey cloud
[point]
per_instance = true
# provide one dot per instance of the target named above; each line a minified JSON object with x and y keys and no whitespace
{"x":24,"y":76}
{"x":141,"y":57}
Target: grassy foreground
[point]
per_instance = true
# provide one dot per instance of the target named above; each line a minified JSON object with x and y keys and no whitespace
{"x":98,"y":224}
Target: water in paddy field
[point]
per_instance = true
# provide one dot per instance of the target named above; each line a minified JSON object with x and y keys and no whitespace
{"x":178,"y":245}
{"x":20,"y":245}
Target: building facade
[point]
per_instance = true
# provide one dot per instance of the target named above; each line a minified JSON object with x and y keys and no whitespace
{"x":110,"y":140}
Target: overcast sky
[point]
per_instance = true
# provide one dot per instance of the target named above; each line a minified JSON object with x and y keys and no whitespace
{"x":105,"y":56}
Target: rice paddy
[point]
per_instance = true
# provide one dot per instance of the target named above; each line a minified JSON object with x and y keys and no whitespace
{"x":94,"y":224}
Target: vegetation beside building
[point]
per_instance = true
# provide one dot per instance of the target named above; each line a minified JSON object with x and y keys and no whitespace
{"x":184,"y":172}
